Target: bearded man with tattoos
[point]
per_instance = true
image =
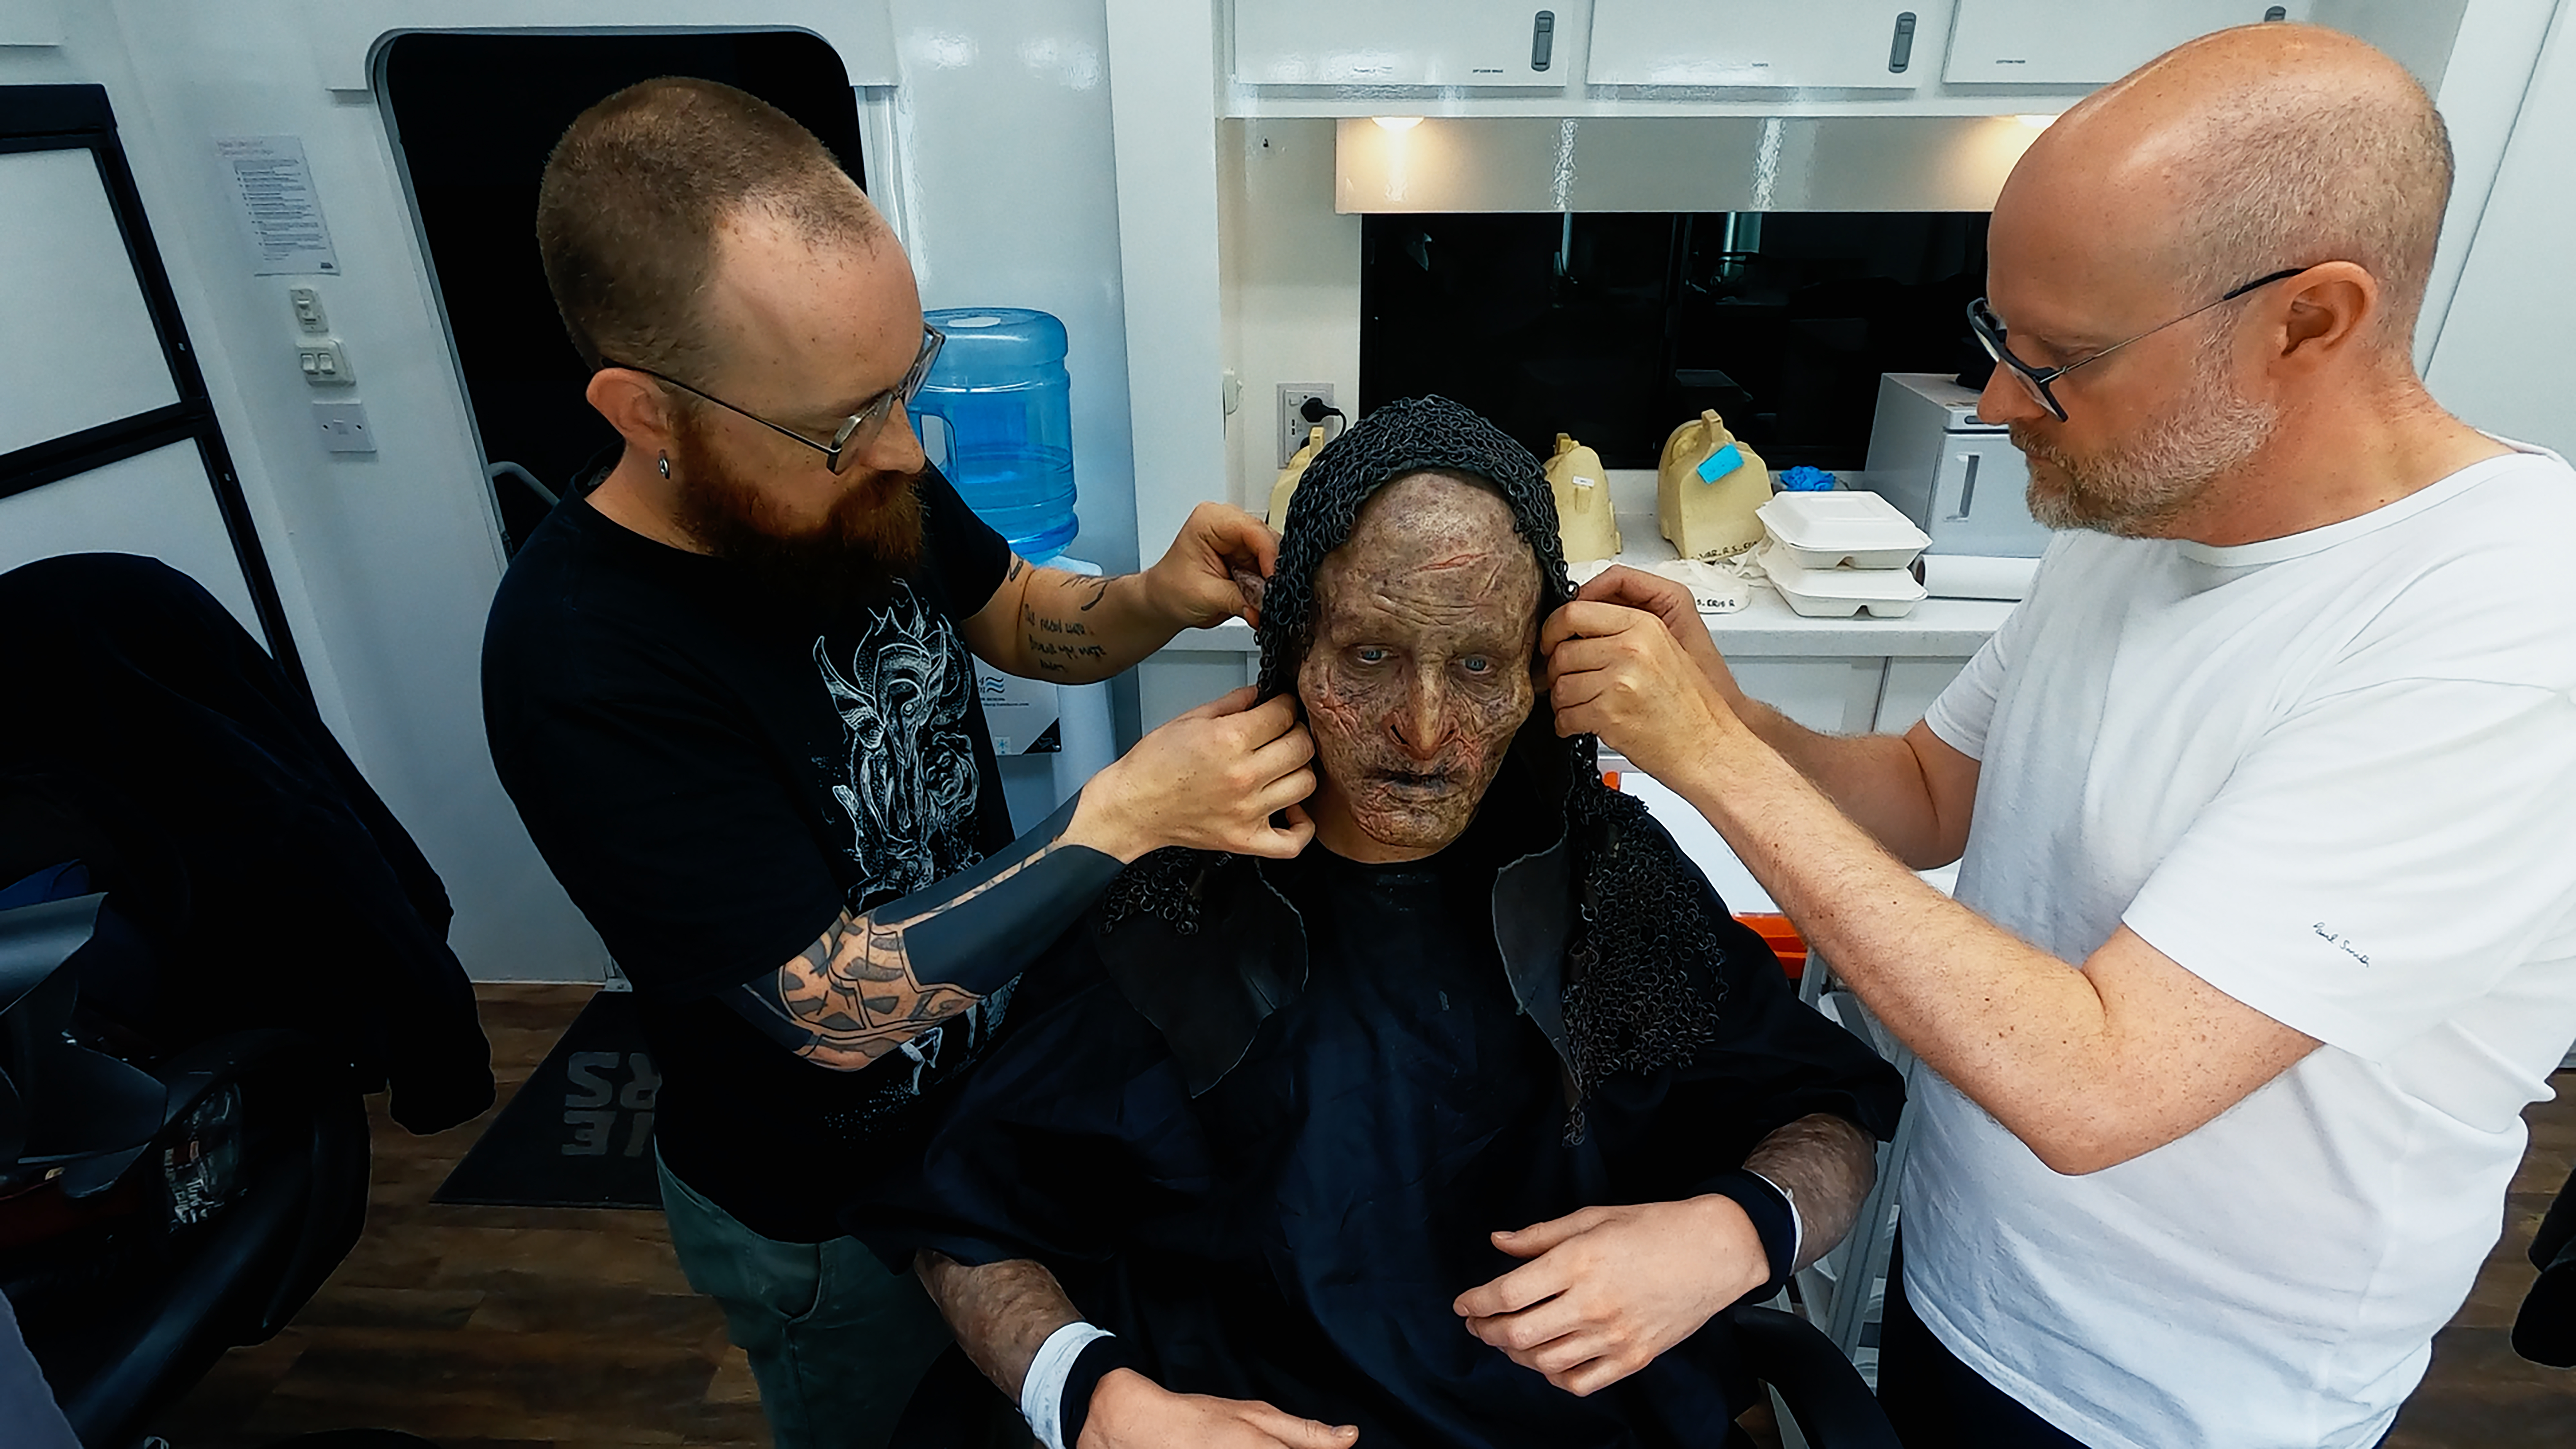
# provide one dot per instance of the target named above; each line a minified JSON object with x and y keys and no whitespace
{"x":1459,"y":1129}
{"x":726,"y":683}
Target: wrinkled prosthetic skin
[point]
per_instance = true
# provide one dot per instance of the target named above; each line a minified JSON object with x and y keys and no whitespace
{"x":1420,"y":671}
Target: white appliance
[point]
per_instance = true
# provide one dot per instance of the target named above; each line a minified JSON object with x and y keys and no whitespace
{"x":1961,"y":481}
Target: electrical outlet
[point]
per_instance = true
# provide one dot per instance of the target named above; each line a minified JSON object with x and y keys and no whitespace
{"x":1292,"y":422}
{"x":343,"y":426}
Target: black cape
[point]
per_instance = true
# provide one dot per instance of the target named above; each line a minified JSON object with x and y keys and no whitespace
{"x":1267,"y":1152}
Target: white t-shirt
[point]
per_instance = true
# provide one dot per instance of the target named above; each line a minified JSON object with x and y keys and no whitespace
{"x":2334,"y":775}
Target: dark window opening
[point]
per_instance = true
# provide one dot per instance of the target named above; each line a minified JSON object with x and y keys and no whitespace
{"x":1619,"y":327}
{"x":474,"y":118}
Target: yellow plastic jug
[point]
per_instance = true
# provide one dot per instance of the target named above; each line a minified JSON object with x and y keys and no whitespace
{"x":1707,"y":489}
{"x":1584,"y":524}
{"x":1286,"y":487}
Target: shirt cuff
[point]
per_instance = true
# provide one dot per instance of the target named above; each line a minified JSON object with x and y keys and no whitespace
{"x":1775,"y":1222}
{"x":1042,"y":1390}
{"x":1797,"y":1221}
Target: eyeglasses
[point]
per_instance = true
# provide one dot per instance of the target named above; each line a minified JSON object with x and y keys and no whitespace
{"x":1989,"y":329}
{"x":858,"y":429}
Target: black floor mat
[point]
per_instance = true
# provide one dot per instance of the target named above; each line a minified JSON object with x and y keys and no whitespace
{"x":580,"y":1132}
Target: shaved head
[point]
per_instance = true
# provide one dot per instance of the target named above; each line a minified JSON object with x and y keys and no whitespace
{"x":2285,"y":154}
{"x":2260,"y":148}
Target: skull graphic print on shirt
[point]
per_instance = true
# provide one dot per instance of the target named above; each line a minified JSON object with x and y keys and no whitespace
{"x":909,"y":786}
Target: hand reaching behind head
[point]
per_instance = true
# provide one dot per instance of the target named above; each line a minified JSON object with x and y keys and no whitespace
{"x":1215,"y":569}
{"x":1670,"y":602}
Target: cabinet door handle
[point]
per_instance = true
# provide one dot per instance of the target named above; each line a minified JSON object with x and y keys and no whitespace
{"x":1968,"y":485}
{"x":1542,"y":39}
{"x":1900,"y":48}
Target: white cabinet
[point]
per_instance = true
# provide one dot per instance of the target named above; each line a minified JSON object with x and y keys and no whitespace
{"x":1817,"y":44}
{"x":1912,"y":685}
{"x":1445,"y":43}
{"x":1833,"y":694}
{"x":2084,"y":43}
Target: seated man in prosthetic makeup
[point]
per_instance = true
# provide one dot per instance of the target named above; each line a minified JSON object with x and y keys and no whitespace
{"x":1456,"y":1130}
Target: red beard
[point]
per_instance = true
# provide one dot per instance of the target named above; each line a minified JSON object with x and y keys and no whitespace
{"x":871,"y":535}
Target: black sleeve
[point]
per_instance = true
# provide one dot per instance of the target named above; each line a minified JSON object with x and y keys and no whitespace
{"x":972,"y":559}
{"x":1073,"y":1128}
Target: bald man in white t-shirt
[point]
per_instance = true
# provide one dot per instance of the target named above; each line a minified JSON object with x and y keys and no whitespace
{"x":2265,"y":798}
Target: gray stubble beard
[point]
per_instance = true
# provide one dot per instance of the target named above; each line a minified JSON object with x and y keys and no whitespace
{"x":2133,"y":490}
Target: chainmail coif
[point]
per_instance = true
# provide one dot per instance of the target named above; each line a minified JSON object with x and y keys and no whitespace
{"x":1641,"y":989}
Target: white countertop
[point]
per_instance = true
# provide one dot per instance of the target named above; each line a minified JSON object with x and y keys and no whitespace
{"x":1764,"y":628}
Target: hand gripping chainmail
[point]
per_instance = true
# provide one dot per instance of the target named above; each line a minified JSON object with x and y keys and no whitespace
{"x":1641,"y":989}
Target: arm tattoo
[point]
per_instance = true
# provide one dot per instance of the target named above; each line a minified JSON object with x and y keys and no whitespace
{"x":1828,"y":1165}
{"x":853,"y":995}
{"x":1001,"y":1313}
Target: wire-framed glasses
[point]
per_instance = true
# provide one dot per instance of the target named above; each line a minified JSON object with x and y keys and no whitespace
{"x":1989,"y":329}
{"x":858,"y":429}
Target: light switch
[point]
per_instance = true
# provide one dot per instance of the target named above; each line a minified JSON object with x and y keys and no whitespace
{"x":324,"y":364}
{"x":307,"y":303}
{"x":344,"y":427}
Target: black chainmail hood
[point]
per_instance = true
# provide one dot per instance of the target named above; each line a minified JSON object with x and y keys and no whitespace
{"x":1640,"y":991}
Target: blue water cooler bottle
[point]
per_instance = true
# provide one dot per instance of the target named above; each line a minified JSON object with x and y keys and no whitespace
{"x":1005,"y":438}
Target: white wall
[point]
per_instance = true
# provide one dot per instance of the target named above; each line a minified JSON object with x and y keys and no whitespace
{"x":2480,"y":93}
{"x":2500,"y":359}
{"x":1291,"y":284}
{"x":387,"y":564}
{"x":1002,"y":111}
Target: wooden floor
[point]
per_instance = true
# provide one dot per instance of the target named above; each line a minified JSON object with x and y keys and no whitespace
{"x":515,"y":1328}
{"x":490,"y":1328}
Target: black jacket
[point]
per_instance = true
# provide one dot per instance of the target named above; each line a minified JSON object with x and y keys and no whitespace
{"x":1266,"y":1147}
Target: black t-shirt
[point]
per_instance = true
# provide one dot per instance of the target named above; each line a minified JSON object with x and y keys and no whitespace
{"x":715,"y":770}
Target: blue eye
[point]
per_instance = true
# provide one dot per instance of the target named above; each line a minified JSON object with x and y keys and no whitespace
{"x":1369,"y":654}
{"x":1477,"y":663}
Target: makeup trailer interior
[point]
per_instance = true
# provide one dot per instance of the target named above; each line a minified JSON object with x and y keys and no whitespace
{"x":271,"y":312}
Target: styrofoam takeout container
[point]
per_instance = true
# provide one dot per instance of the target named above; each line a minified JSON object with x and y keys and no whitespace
{"x":1839,"y":593}
{"x":1842,"y":530}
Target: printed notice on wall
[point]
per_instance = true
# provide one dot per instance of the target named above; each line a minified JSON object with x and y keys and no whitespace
{"x":278,"y":206}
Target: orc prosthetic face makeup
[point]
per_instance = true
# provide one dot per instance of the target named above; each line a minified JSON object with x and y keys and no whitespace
{"x":1426,"y":619}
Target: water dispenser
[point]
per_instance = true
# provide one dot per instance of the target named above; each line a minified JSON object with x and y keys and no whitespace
{"x":1005,"y":423}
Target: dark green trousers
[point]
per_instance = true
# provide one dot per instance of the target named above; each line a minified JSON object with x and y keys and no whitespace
{"x":836,"y":1342}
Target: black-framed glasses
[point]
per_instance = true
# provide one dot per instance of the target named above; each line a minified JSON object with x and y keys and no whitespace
{"x":858,"y":429}
{"x":2035,"y":380}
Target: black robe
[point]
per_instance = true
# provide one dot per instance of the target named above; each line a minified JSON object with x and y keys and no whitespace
{"x":1268,"y":1153}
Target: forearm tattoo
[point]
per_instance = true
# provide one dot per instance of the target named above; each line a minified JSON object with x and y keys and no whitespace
{"x":854,"y":995}
{"x":1059,"y":640}
{"x":1001,"y":1313}
{"x":1828,"y":1166}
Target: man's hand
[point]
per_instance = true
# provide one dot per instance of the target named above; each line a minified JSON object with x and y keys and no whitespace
{"x":1131,"y":1411}
{"x":1619,"y":673}
{"x":1671,"y":602}
{"x":1215,"y":570}
{"x":1610,"y":1288}
{"x":1210,"y":780}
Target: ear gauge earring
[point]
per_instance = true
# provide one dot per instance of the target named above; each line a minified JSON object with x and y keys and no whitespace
{"x":665,"y":465}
